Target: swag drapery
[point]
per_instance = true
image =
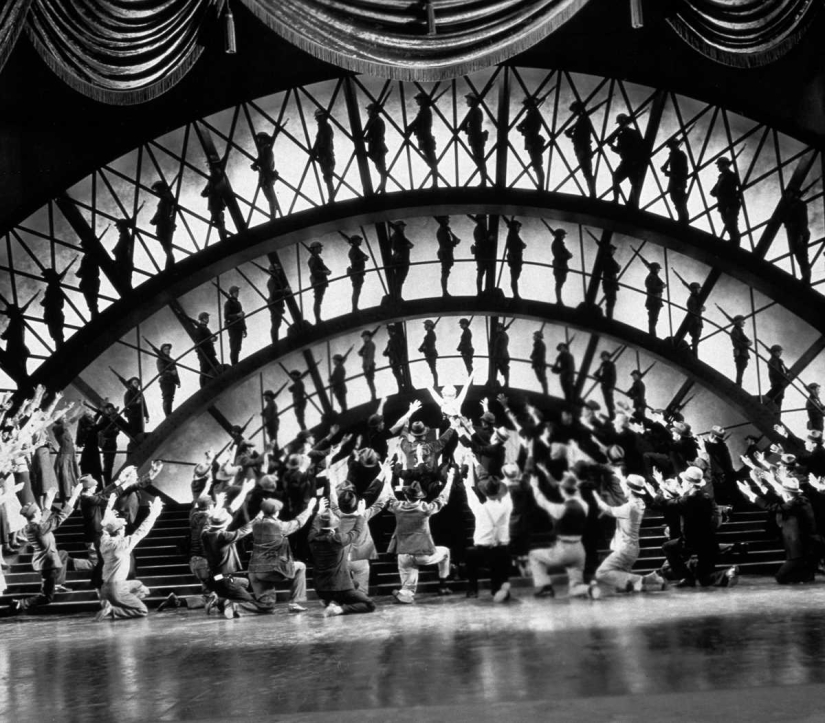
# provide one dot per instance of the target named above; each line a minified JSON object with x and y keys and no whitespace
{"x":130,"y":51}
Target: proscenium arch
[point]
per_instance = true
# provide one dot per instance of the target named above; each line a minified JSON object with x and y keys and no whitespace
{"x":745,"y":266}
{"x":585,"y":319}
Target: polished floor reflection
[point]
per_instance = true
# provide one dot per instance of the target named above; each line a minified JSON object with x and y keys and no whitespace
{"x":754,"y":652}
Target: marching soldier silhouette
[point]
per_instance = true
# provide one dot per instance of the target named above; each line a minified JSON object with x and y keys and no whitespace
{"x":168,"y":376}
{"x":500,"y":352}
{"x":561,"y":261}
{"x":484,"y":250}
{"x":606,"y":377}
{"x":422,"y":128}
{"x":400,"y":247}
{"x":695,"y":308}
{"x":473,"y":126}
{"x":215,"y":194}
{"x":610,"y":280}
{"x":428,"y":349}
{"x":741,"y":344}
{"x":375,"y":138}
{"x":234,"y":318}
{"x":264,"y":164}
{"x":538,"y":359}
{"x":276,"y":295}
{"x":15,"y":332}
{"x":534,"y":142}
{"x":778,"y":377}
{"x":654,"y":287}
{"x":627,"y":142}
{"x":638,"y":394}
{"x":323,"y":150}
{"x":318,"y":277}
{"x":270,"y":416}
{"x":53,"y":302}
{"x":89,"y":274}
{"x":581,"y":133}
{"x":337,"y":379}
{"x":676,"y":170}
{"x":367,"y":354}
{"x":299,"y":396}
{"x":565,"y":367}
{"x":134,"y":406}
{"x":164,"y":219}
{"x":205,"y":348}
{"x":357,"y":266}
{"x":394,"y":351}
{"x":728,"y":195}
{"x":447,"y":241}
{"x":814,"y":408}
{"x":124,"y":250}
{"x":515,"y":253}
{"x":794,"y":216}
{"x":465,"y":345}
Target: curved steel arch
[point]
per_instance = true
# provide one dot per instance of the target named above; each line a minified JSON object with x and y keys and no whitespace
{"x":166,"y":287}
{"x":586,"y":319}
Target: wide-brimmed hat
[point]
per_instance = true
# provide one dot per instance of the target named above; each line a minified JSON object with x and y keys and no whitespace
{"x":615,"y":453}
{"x":511,"y":471}
{"x":418,"y":429}
{"x":220,"y":518}
{"x":268,"y":482}
{"x":368,"y":457}
{"x":693,"y":475}
{"x":635,"y":483}
{"x":413,"y":491}
{"x":502,"y":433}
{"x":791,"y":484}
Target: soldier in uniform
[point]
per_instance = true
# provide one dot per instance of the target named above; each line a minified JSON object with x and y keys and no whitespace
{"x":694,"y":308}
{"x":134,"y":408}
{"x":264,"y":164}
{"x":299,"y":397}
{"x":465,"y":344}
{"x":394,"y":351}
{"x":318,"y":277}
{"x":534,"y":143}
{"x":374,"y":136}
{"x":777,"y":376}
{"x":565,"y":367}
{"x":205,"y":340}
{"x":234,"y":317}
{"x":357,"y":268}
{"x":428,"y":349}
{"x":638,"y":395}
{"x":270,"y":416}
{"x":610,"y":281}
{"x":422,"y":128}
{"x":483,"y":249}
{"x":215,"y":194}
{"x":606,"y":377}
{"x":741,"y":347}
{"x":515,"y":253}
{"x":728,"y":195}
{"x":794,"y":215}
{"x":367,"y":354}
{"x":654,"y":287}
{"x":124,"y":250}
{"x":538,"y":359}
{"x":400,"y":247}
{"x":89,"y":274}
{"x":323,"y":150}
{"x":164,"y":219}
{"x":581,"y":133}
{"x":628,"y":143}
{"x":561,"y":261}
{"x":15,"y":335}
{"x":477,"y":136}
{"x":676,"y":170}
{"x":337,"y":380}
{"x":501,"y":352}
{"x":447,"y":241}
{"x":168,"y":377}
{"x":52,"y":303}
{"x":814,"y":408}
{"x":275,"y":301}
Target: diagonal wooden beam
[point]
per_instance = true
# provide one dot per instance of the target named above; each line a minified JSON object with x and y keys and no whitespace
{"x":228,"y":196}
{"x":802,"y":363}
{"x":678,"y":398}
{"x":586,"y":363}
{"x":651,"y":131}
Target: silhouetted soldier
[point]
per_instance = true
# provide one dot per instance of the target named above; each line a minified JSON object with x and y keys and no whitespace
{"x":124,"y":250}
{"x":695,"y":307}
{"x":465,"y":344}
{"x":561,"y":261}
{"x":538,"y":359}
{"x":422,"y":127}
{"x":299,"y":396}
{"x":606,"y":377}
{"x":484,"y":250}
{"x":741,"y":344}
{"x":164,"y":219}
{"x":264,"y":164}
{"x":814,"y":408}
{"x":89,"y":274}
{"x":638,"y":394}
{"x":514,"y":247}
{"x":676,"y":170}
{"x":400,"y":247}
{"x":628,"y":143}
{"x":52,"y":303}
{"x":318,"y":277}
{"x":565,"y":367}
{"x":109,"y":425}
{"x":15,"y":333}
{"x":447,"y":241}
{"x":777,"y":376}
{"x":375,"y":137}
{"x":205,"y":348}
{"x":654,"y":287}
{"x":337,"y":379}
{"x":367,"y":354}
{"x":275,"y":301}
{"x":323,"y":150}
{"x":394,"y":351}
{"x":477,"y":136}
{"x":428,"y":349}
{"x":234,"y":318}
{"x":357,"y":267}
{"x":215,"y":194}
{"x":728,"y":195}
{"x":500,"y":352}
{"x":534,"y":142}
{"x":271,"y":418}
{"x":581,"y":133}
{"x":610,"y":280}
{"x":134,"y":407}
{"x":168,"y":377}
{"x":794,"y":216}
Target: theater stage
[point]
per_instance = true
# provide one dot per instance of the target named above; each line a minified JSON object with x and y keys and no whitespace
{"x":754,"y":652}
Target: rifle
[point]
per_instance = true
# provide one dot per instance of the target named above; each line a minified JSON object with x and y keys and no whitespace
{"x":679,"y":276}
{"x":224,"y":293}
{"x":347,"y":353}
{"x":344,"y":236}
{"x":155,"y":349}
{"x":512,"y":321}
{"x":634,"y":116}
{"x":434,"y":100}
{"x":120,"y":378}
{"x":725,"y":314}
{"x":551,"y":229}
{"x":280,"y":389}
{"x":539,"y":101}
{"x":22,"y":309}
{"x":590,"y":111}
{"x":65,"y":271}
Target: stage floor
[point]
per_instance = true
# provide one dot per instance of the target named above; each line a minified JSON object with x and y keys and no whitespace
{"x":754,"y":652}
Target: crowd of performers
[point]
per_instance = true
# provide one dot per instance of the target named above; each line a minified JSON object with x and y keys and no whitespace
{"x":543,"y":495}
